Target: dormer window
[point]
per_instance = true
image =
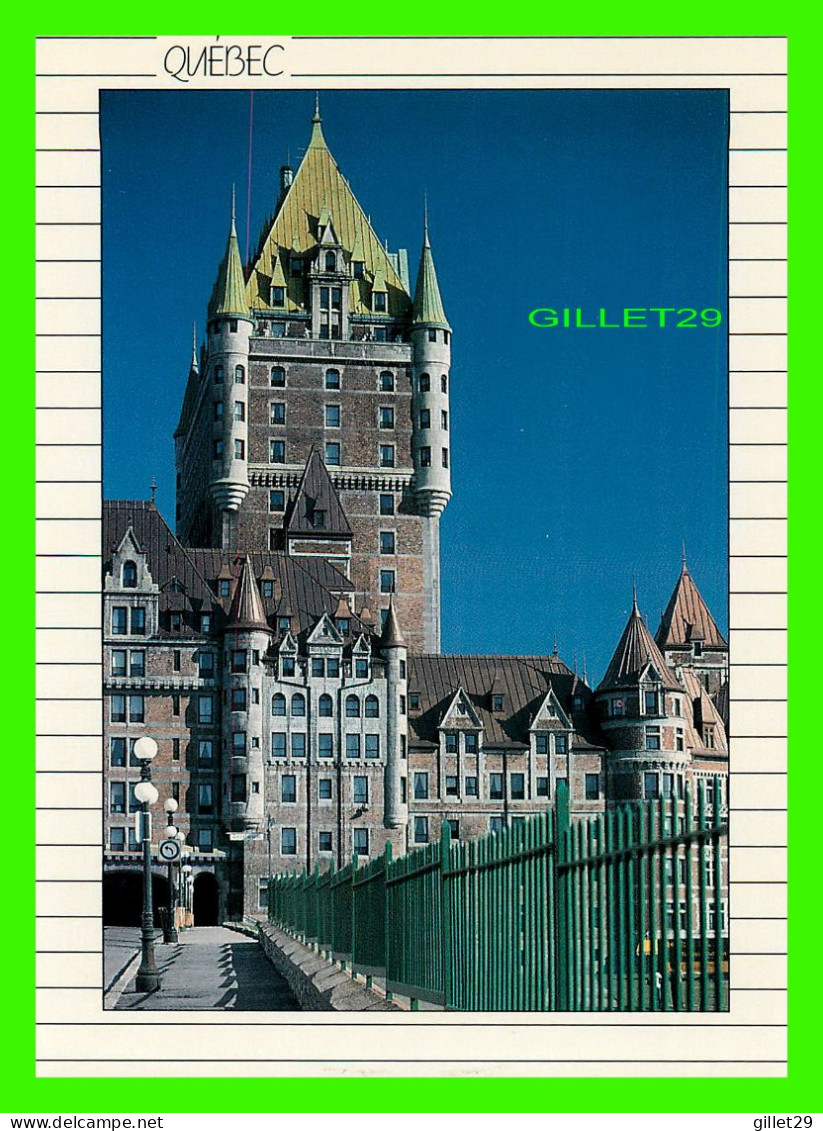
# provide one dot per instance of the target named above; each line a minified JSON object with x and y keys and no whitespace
{"x":343,"y":625}
{"x":284,"y":623}
{"x":414,"y":701}
{"x":278,"y":296}
{"x":380,"y":302}
{"x":129,"y":575}
{"x":451,"y":742}
{"x":267,"y":588}
{"x":331,"y":261}
{"x":287,"y":665}
{"x":358,"y":268}
{"x":297,"y":266}
{"x":470,"y":742}
{"x":318,"y":519}
{"x":650,"y":700}
{"x":224,"y":587}
{"x":497,"y":703}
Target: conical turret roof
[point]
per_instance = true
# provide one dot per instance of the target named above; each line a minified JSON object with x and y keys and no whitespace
{"x":317,"y":495}
{"x":392,"y":636}
{"x":428,"y":305}
{"x":633,"y":654}
{"x":687,"y":617}
{"x":228,"y":297}
{"x":246,"y":609}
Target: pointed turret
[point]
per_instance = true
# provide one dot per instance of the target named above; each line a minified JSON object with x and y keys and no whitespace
{"x":634,"y":653}
{"x":392,"y":636}
{"x":228,"y":299}
{"x":317,"y":509}
{"x":427,"y":308}
{"x":687,"y":617}
{"x":246,"y":611}
{"x":317,"y":140}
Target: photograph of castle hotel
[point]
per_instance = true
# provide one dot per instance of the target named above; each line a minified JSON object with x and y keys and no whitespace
{"x":326,"y":666}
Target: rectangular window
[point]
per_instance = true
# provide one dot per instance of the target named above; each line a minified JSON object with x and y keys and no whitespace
{"x":360,"y":790}
{"x":425,"y":457}
{"x":650,"y":699}
{"x":444,"y":457}
{"x":238,"y":744}
{"x":205,"y":840}
{"x":425,"y":383}
{"x":277,"y":501}
{"x":205,"y":752}
{"x":119,"y":617}
{"x":138,"y":621}
{"x":651,"y":786}
{"x":678,"y":739}
{"x":454,"y":829}
{"x":324,"y":791}
{"x":288,"y":788}
{"x":387,"y":577}
{"x":117,"y":840}
{"x":324,"y":746}
{"x":386,"y":382}
{"x":451,"y":742}
{"x":205,"y":798}
{"x":444,"y":420}
{"x":175,"y":705}
{"x":561,"y":744}
{"x":360,"y":842}
{"x":652,"y":738}
{"x":118,"y":662}
{"x":239,"y":658}
{"x":288,"y":842}
{"x":421,"y":786}
{"x":421,"y":830}
{"x":452,"y":787}
{"x":496,"y":787}
{"x":361,"y":669}
{"x":118,"y":708}
{"x":386,"y":417}
{"x":134,"y":804}
{"x":387,"y":504}
{"x":372,"y":745}
{"x":239,"y":449}
{"x":137,"y":709}
{"x":332,"y":379}
{"x":332,"y":455}
{"x":117,"y":797}
{"x":380,"y":301}
{"x":668,"y":785}
{"x":592,"y":787}
{"x":432,"y":335}
{"x":298,"y":745}
{"x":277,"y":412}
{"x":324,"y":842}
{"x":117,"y":752}
{"x":541,"y":744}
{"x":471,"y":786}
{"x":318,"y":666}
{"x":238,"y":787}
{"x":496,"y":824}
{"x":387,"y":545}
{"x":352,"y":745}
{"x":518,"y":787}
{"x":470,"y":743}
{"x":387,"y":455}
{"x":332,"y":415}
{"x":542,"y":787}
{"x":239,"y":410}
{"x":278,"y":298}
{"x":277,"y":451}
{"x":137,"y":663}
{"x":425,"y":418}
{"x":175,"y":749}
{"x":217,"y":449}
{"x":278,"y":745}
{"x":205,"y":709}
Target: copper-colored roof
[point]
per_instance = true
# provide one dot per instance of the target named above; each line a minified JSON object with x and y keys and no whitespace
{"x":428,"y":305}
{"x":246,"y":610}
{"x":317,"y":493}
{"x":634,"y":652}
{"x":687,"y":618}
{"x":229,"y":295}
{"x":320,"y":189}
{"x":522,"y":680}
{"x":700,"y":710}
{"x":392,"y":636}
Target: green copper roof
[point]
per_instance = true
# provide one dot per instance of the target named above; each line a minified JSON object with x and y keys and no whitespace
{"x":229,"y":294}
{"x":428,"y":306}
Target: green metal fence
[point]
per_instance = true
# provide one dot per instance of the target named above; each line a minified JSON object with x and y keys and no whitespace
{"x":622,"y":911}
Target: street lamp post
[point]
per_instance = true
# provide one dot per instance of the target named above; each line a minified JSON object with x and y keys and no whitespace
{"x":187,"y":894}
{"x":170,"y":928}
{"x":148,"y":976}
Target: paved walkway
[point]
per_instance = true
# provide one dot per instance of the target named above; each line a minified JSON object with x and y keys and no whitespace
{"x":213,"y":968}
{"x":120,"y":944}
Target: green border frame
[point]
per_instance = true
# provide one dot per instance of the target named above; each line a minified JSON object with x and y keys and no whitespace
{"x":795,"y":1093}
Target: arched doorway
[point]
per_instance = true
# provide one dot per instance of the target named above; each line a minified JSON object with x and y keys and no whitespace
{"x":206,"y":902}
{"x":123,"y":898}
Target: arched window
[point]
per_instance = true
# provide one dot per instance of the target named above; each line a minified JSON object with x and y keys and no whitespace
{"x":444,"y":384}
{"x":278,"y":377}
{"x":352,"y":707}
{"x":239,"y":375}
{"x":325,"y":706}
{"x":298,"y":704}
{"x":372,"y":707}
{"x":129,"y":575}
{"x":331,"y":261}
{"x":278,"y":704}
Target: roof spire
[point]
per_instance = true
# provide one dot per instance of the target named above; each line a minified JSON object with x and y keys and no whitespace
{"x":317,"y":141}
{"x":634,"y":591}
{"x":554,"y":651}
{"x":585,"y":677}
{"x":229,"y":294}
{"x":392,"y":636}
{"x":428,"y":305}
{"x":246,"y":610}
{"x":153,"y":487}
{"x":194,"y":364}
{"x":233,"y":211}
{"x":685,"y":567}
{"x":574,"y":654}
{"x":426,"y":219}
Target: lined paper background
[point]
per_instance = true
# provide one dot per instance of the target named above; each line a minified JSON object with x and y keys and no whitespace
{"x":74,"y":1035}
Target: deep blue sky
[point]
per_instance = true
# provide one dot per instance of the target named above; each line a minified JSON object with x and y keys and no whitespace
{"x":578,"y":456}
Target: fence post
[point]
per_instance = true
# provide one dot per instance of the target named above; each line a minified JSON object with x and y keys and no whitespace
{"x":445,"y":914}
{"x":560,"y":855}
{"x":354,"y":859}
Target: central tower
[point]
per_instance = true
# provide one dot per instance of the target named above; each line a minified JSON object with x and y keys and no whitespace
{"x":316,"y":420}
